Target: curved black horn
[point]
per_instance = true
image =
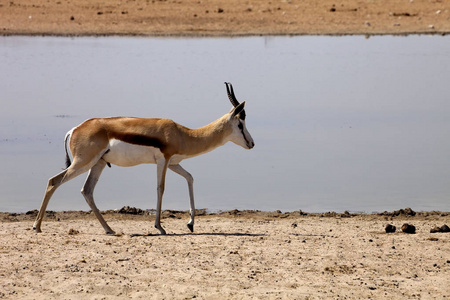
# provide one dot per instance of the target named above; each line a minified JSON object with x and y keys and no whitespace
{"x":231,"y":95}
{"x":233,"y":99}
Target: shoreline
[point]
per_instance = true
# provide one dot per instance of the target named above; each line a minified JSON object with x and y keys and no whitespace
{"x":223,"y":19}
{"x":133,"y":213}
{"x":208,"y":36}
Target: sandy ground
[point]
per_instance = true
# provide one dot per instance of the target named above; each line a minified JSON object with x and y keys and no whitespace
{"x":232,"y":255}
{"x":223,"y":18}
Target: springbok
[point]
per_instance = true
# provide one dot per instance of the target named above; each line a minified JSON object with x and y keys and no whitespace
{"x":127,"y":142}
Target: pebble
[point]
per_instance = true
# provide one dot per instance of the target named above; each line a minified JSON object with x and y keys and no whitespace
{"x":443,"y":228}
{"x":408,"y":228}
{"x":73,"y":231}
{"x":390,"y":228}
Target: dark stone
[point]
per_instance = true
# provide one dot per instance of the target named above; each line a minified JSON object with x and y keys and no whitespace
{"x":435,"y":229}
{"x":445,"y":228}
{"x":131,"y":210}
{"x":390,"y":228}
{"x":408,"y":228}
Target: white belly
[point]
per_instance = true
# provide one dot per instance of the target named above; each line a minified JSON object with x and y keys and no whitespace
{"x":127,"y":155}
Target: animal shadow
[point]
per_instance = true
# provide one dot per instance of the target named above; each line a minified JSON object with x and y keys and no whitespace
{"x":200,"y":234}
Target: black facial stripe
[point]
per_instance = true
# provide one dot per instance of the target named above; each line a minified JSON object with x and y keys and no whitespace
{"x":241,"y":127}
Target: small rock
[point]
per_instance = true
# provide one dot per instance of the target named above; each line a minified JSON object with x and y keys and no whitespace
{"x":435,"y":229}
{"x":131,"y":210}
{"x":445,"y":228}
{"x":73,"y":231}
{"x":401,"y":212}
{"x":408,"y":228}
{"x":346,"y":214}
{"x":409,"y":212}
{"x":390,"y":228}
{"x":234,"y":212}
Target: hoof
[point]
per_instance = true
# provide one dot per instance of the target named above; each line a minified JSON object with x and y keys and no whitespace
{"x":191,"y":227}
{"x":161,"y":230}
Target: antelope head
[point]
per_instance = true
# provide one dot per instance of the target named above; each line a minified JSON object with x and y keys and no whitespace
{"x":240,"y":135}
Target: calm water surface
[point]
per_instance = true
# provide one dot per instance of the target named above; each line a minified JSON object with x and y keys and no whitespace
{"x":340,"y":123}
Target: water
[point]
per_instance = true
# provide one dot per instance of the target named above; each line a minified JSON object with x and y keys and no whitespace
{"x":340,"y":123}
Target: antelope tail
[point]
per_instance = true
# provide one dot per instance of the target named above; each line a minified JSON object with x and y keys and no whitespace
{"x":66,"y":140}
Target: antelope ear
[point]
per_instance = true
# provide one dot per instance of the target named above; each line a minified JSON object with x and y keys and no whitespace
{"x":237,"y":110}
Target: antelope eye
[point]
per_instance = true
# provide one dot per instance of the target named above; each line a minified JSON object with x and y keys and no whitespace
{"x":240,"y":126}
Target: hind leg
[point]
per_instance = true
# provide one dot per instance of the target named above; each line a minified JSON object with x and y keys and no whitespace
{"x":161,"y":169}
{"x":88,"y":192}
{"x":53,"y":184}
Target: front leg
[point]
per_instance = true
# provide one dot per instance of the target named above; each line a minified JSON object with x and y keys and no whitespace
{"x":190,"y":180}
{"x":161,"y":169}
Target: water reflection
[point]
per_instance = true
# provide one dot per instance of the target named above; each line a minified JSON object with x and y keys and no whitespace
{"x":340,"y":123}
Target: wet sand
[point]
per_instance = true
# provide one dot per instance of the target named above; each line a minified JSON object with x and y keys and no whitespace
{"x":223,"y":18}
{"x":231,"y":255}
